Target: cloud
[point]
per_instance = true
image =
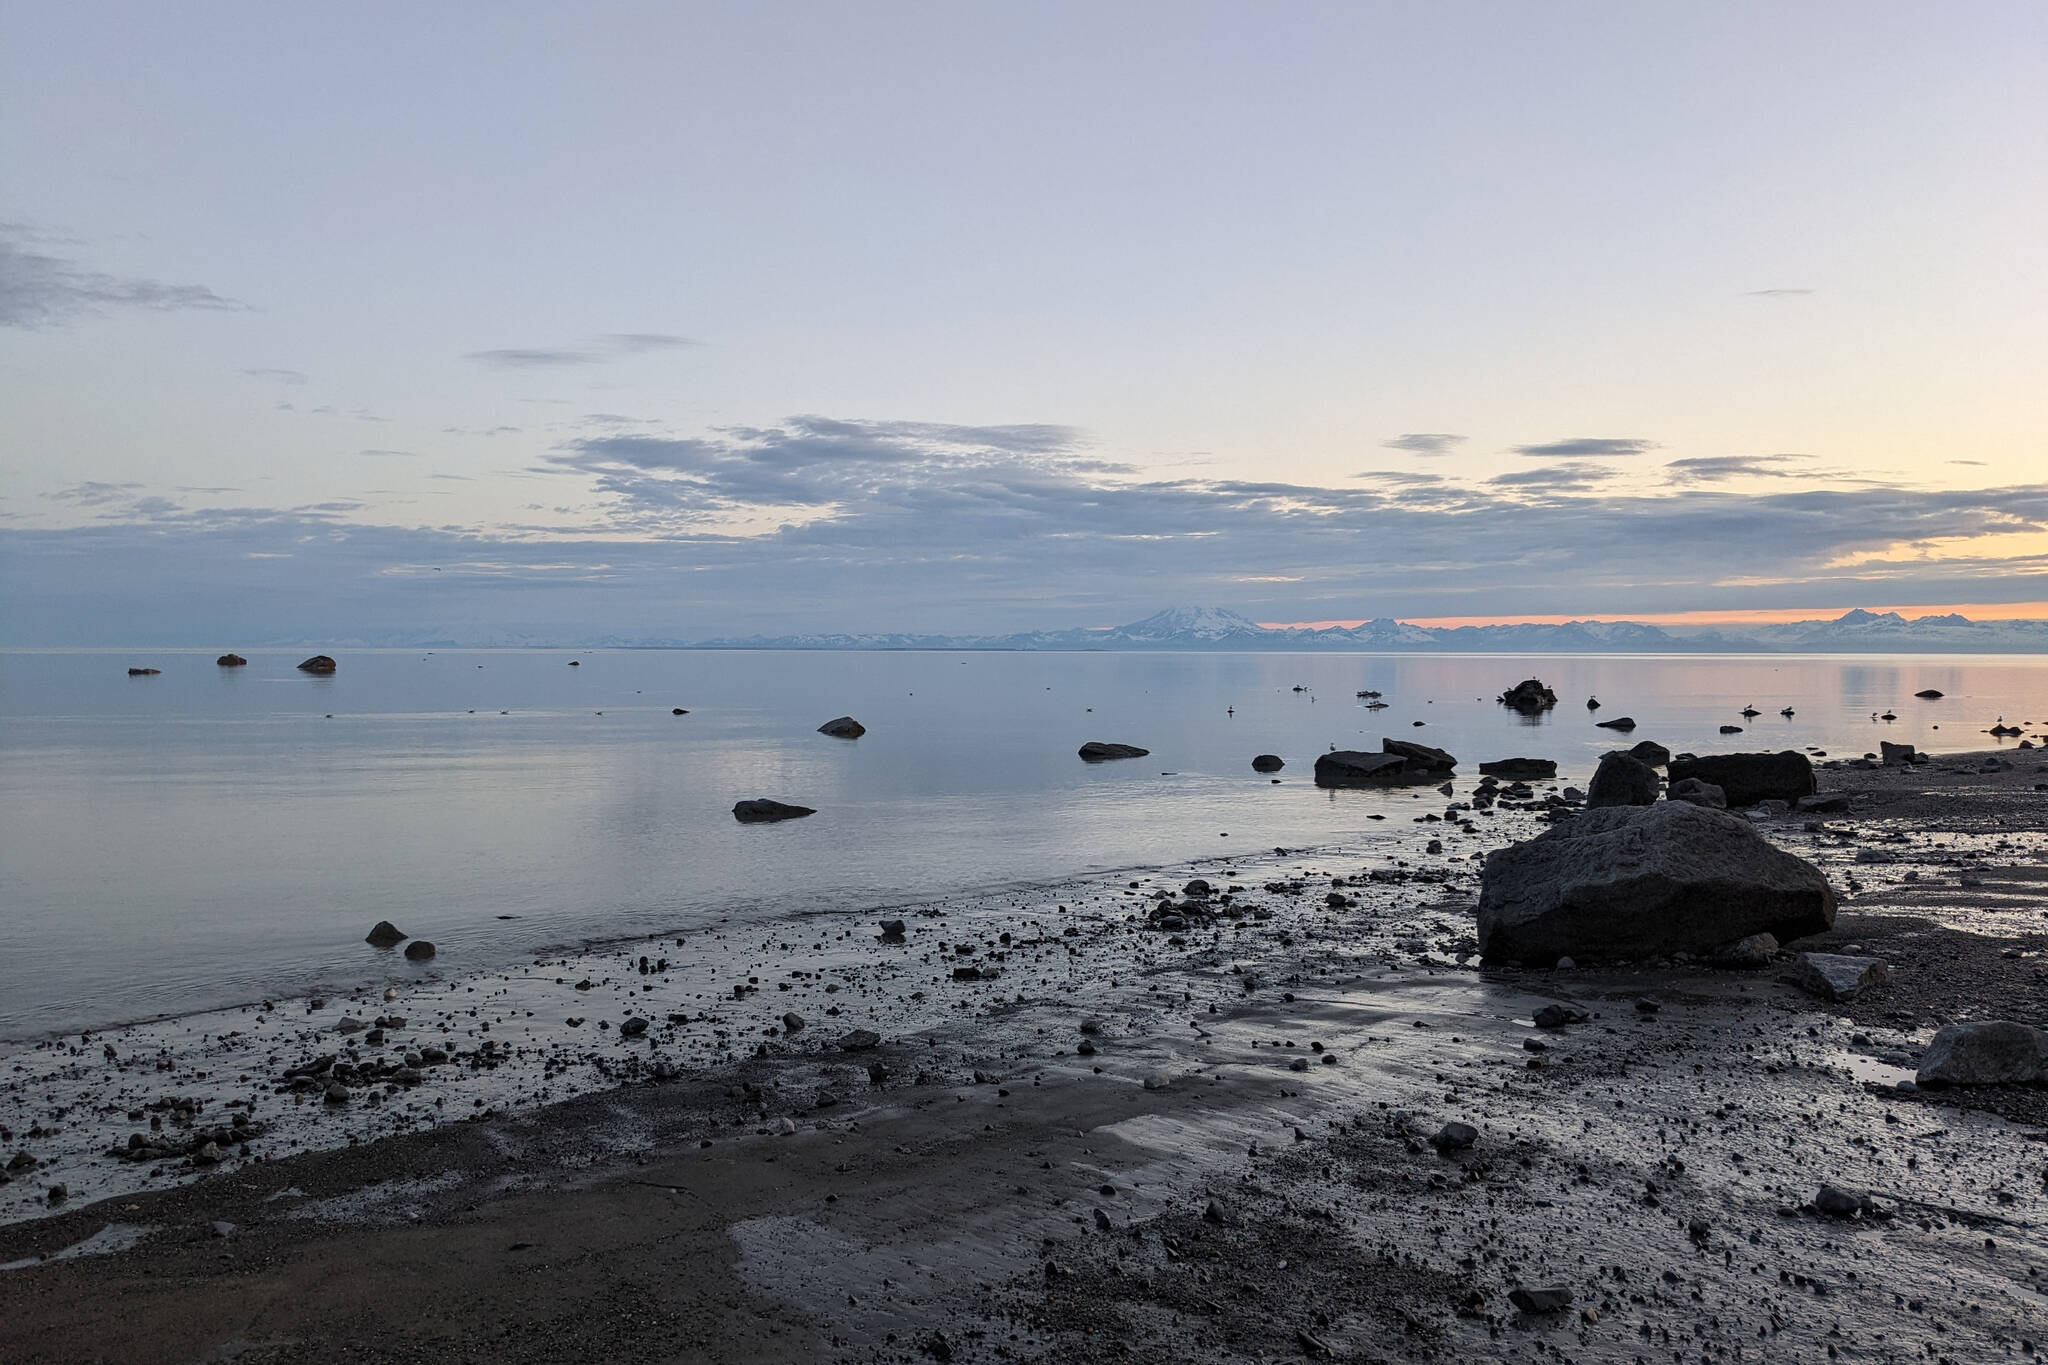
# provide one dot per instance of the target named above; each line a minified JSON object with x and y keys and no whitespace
{"x":611,"y":346}
{"x":95,"y":494}
{"x":1718,"y":468}
{"x":524,"y":359}
{"x":1778,"y":293}
{"x":390,"y":454}
{"x":1970,"y":462}
{"x":1398,"y":476}
{"x":1425,"y":442}
{"x":279,"y":376}
{"x":47,"y":291}
{"x":1588,"y":447}
{"x":1573,"y":476}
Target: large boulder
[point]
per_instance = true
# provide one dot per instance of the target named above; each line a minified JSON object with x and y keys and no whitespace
{"x":385,"y":934}
{"x":1526,"y":769}
{"x":1895,"y":755}
{"x":760,"y":811}
{"x":1651,"y":752}
{"x":1529,"y":697}
{"x":319,"y":663}
{"x":1621,"y":780}
{"x":1268,"y":763}
{"x":1095,"y":751}
{"x":845,"y":727}
{"x":232,"y":661}
{"x":1630,"y":882}
{"x":1749,"y":778}
{"x":1987,"y":1052}
{"x":1398,"y":762}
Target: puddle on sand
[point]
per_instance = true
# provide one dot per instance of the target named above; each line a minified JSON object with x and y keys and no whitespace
{"x":108,"y":1240}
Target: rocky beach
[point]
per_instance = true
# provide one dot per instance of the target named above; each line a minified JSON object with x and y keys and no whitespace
{"x":1270,"y":1106}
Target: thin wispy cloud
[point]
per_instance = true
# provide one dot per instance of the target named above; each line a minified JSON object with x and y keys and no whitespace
{"x":279,"y":376}
{"x":1719,"y":468}
{"x":1573,"y":477}
{"x":39,"y":290}
{"x":1425,"y":442}
{"x":1588,"y":448}
{"x":1777,"y":293}
{"x":527,"y":358}
{"x":611,"y":346}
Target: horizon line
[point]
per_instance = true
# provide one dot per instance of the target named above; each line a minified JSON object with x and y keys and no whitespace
{"x":1770,"y":616}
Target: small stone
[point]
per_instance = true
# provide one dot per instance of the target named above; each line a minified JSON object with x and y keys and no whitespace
{"x":1454,"y":1137}
{"x":1550,"y":1299}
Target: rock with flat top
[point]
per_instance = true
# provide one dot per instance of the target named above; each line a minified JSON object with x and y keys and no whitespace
{"x":760,"y":810}
{"x":1895,"y":755}
{"x":1526,"y":769}
{"x":1838,"y":976}
{"x":1747,"y":779}
{"x":1632,"y":882}
{"x":1618,"y":723}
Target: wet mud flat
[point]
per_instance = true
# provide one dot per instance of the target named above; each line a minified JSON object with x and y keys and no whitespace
{"x":1237,"y":1146}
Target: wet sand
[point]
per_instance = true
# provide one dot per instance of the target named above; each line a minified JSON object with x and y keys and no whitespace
{"x":1202,"y":1186}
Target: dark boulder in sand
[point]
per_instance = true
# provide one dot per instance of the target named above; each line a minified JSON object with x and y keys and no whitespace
{"x":1632,"y":882}
{"x":1529,"y":696}
{"x":1618,"y":723}
{"x":1096,"y":751}
{"x":1986,"y":1052}
{"x":1651,"y":752}
{"x":319,"y":663}
{"x":1524,"y":768}
{"x":1749,"y":778}
{"x":385,"y":935}
{"x":760,"y":810}
{"x":1268,"y":763}
{"x":845,"y":727}
{"x":1621,"y":780}
{"x":232,"y":661}
{"x":1699,"y":793}
{"x":419,"y":950}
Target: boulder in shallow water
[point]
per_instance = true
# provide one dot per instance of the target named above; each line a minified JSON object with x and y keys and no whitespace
{"x":1356,"y":768}
{"x":1699,"y":793}
{"x":1930,"y":694}
{"x":1749,"y":778}
{"x":1529,"y":697}
{"x":1621,"y":781}
{"x":1526,"y":769}
{"x":1422,"y":759}
{"x":1618,"y":723}
{"x":760,"y":810}
{"x":1986,"y":1052}
{"x":385,"y":935}
{"x":843,"y":727}
{"x":1633,"y":882}
{"x":1268,"y":763}
{"x":232,"y":661}
{"x":1098,"y":751}
{"x":319,"y":663}
{"x":144,"y":672}
{"x":419,"y":950}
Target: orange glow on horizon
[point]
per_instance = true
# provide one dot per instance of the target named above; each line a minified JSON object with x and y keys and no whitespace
{"x":1775,"y":616}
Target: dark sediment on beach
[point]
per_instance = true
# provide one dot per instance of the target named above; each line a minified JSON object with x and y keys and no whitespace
{"x":1127,"y":1145}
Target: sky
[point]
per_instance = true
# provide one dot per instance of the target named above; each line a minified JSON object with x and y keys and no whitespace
{"x":517,"y":321}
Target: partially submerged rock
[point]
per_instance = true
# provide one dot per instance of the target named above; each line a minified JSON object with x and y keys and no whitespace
{"x":1397,"y":764}
{"x":1529,"y":697}
{"x":1621,"y":780}
{"x":1618,"y":723}
{"x":1528,"y":769}
{"x":419,"y":950}
{"x":232,"y":661}
{"x":1632,"y":882}
{"x":1268,"y":763}
{"x":1838,"y":976}
{"x":144,"y":672}
{"x":1747,"y":779}
{"x":1986,"y":1052}
{"x":1097,"y":751}
{"x":760,"y":810}
{"x":385,"y":935}
{"x":843,"y":727}
{"x":319,"y":663}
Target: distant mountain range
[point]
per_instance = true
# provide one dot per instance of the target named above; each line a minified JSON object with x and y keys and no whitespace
{"x":1214,"y":628}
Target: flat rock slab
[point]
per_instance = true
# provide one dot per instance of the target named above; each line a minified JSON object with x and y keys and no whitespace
{"x":1096,"y":751}
{"x":1520,"y":767}
{"x":1837,"y":976}
{"x":1747,"y":779}
{"x":1986,"y":1052}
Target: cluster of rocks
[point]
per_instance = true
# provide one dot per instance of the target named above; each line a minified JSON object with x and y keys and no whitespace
{"x":1529,"y":697}
{"x":1202,"y":903}
{"x":1399,"y":763}
{"x":201,"y":1146}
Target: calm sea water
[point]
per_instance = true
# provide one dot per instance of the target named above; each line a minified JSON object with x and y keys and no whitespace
{"x":211,"y":836}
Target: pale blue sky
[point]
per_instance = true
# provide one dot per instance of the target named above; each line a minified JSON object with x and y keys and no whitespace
{"x":596,"y":298}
